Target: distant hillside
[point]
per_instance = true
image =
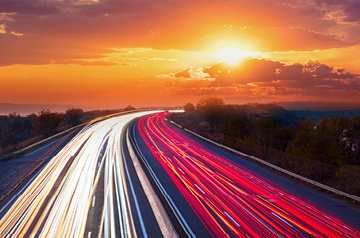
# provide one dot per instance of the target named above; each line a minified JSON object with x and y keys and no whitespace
{"x":26,"y":109}
{"x":255,"y":110}
{"x":318,"y":105}
{"x":318,"y":115}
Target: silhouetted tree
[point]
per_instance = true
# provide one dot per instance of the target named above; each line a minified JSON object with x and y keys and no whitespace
{"x":321,"y":142}
{"x":47,"y":123}
{"x":349,"y":135}
{"x":8,"y":138}
{"x":282,"y":138}
{"x":326,"y":143}
{"x":212,"y":109}
{"x":302,"y":134}
{"x":264,"y":132}
{"x":238,"y":126}
{"x":189,"y":107}
{"x":73,"y":116}
{"x":129,"y":108}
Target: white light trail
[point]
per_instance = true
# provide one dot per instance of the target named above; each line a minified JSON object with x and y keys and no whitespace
{"x":56,"y":203}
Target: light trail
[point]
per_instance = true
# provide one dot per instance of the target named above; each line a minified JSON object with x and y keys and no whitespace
{"x":57,"y":201}
{"x":228,"y":199}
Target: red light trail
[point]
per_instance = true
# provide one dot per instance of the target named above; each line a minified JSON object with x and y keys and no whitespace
{"x":228,"y":199}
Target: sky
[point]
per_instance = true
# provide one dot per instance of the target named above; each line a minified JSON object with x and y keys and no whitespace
{"x":114,"y":53}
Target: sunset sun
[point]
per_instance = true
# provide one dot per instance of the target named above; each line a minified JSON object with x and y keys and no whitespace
{"x":232,"y":56}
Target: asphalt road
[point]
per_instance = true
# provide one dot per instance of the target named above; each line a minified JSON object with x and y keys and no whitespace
{"x":17,"y":172}
{"x":87,"y":184}
{"x":88,"y":188}
{"x":278,"y":205}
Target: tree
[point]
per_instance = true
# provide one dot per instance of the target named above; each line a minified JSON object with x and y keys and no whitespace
{"x":355,"y":135}
{"x":264,"y":132}
{"x":73,"y":116}
{"x":47,"y":122}
{"x":349,"y":134}
{"x":302,"y":135}
{"x":189,"y":107}
{"x":129,"y":108}
{"x":212,"y":109}
{"x":321,"y":142}
{"x":238,"y":126}
{"x":326,"y":144}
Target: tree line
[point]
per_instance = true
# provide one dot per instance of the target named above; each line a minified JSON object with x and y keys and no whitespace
{"x":327,"y":150}
{"x":18,"y":131}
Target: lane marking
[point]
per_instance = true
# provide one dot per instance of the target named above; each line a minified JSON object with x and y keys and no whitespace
{"x":176,"y":211}
{"x":93,"y":202}
{"x":42,"y":147}
{"x":137,"y":207}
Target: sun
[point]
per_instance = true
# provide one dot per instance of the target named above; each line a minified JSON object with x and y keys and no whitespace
{"x":232,"y":56}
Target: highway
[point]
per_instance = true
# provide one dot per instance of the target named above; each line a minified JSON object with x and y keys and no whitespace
{"x":92,"y":184}
{"x":16,"y":172}
{"x":60,"y":199}
{"x":216,"y":196}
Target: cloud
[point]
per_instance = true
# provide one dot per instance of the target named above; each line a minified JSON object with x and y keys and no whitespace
{"x":188,"y":74}
{"x":16,"y":33}
{"x":183,"y":74}
{"x":2,"y":29}
{"x":265,"y":79}
{"x":250,"y":70}
{"x":296,"y":38}
{"x":85,"y":26}
{"x":6,"y":16}
{"x":32,"y":7}
{"x":352,"y":12}
{"x":343,"y":12}
{"x":255,"y":70}
{"x":155,"y":59}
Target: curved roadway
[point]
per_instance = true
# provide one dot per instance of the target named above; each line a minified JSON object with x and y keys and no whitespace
{"x":92,"y":188}
{"x":219,"y":194}
{"x":85,"y":190}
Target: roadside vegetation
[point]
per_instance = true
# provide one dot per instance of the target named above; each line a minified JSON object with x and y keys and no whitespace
{"x":325,"y":149}
{"x":17,"y":131}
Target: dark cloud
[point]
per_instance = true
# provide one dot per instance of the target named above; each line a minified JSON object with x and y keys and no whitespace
{"x":352,"y":11}
{"x":31,"y":7}
{"x":261,"y":70}
{"x":250,"y":70}
{"x":258,"y":77}
{"x":349,"y":8}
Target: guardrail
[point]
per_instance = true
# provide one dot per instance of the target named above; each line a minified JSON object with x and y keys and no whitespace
{"x":39,"y":143}
{"x":277,"y":168}
{"x":32,"y":146}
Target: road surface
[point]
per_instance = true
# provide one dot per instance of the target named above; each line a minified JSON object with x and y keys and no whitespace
{"x":84,"y":190}
{"x":227,"y":198}
{"x":16,"y":172}
{"x":92,"y":188}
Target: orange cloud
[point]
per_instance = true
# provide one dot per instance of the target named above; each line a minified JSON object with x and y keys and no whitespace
{"x":265,"y":80}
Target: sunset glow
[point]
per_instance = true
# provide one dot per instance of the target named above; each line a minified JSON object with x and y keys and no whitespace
{"x":109,"y":54}
{"x":232,"y":56}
